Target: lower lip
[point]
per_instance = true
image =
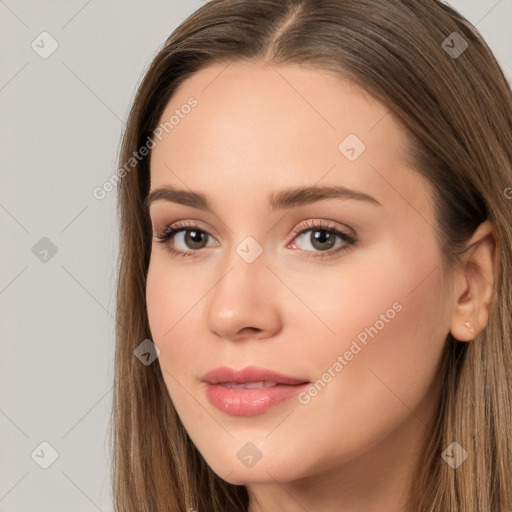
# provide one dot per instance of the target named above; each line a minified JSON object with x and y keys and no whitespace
{"x":249,"y":402}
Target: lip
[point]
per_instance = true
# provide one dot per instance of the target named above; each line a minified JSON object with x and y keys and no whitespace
{"x":249,"y":402}
{"x":225,"y":374}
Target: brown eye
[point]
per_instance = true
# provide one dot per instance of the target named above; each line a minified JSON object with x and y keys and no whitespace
{"x":189,"y":239}
{"x":322,"y":239}
{"x":194,"y":238}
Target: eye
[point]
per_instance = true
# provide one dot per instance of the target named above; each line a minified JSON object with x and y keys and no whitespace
{"x":191,"y":237}
{"x":322,"y":238}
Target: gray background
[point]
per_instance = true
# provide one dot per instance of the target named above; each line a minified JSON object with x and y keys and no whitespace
{"x":60,"y":124}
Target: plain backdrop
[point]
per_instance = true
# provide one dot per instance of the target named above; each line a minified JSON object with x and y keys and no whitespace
{"x":61,"y":120}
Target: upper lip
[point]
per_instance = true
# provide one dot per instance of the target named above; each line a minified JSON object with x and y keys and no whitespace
{"x":225,"y":374}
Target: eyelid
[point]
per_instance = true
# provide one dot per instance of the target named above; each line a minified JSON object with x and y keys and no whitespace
{"x":184,"y":224}
{"x":322,"y":224}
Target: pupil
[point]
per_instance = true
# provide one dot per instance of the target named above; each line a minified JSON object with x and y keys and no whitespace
{"x":194,"y":237}
{"x":323,"y":236}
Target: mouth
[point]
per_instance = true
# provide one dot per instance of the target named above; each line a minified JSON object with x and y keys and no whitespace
{"x":249,"y":391}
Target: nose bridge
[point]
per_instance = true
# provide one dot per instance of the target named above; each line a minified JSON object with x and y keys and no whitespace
{"x":241,"y":298}
{"x":244,"y":268}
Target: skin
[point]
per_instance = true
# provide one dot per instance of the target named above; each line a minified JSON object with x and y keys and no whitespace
{"x":259,"y":129}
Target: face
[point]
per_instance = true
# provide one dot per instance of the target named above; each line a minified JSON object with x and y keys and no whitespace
{"x":341,"y":293}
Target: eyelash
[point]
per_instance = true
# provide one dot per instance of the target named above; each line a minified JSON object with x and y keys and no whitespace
{"x":165,"y":236}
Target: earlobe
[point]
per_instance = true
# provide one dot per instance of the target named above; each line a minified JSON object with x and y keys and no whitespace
{"x":475,"y":284}
{"x":468,"y":325}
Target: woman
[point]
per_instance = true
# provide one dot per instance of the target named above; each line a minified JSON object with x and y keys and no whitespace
{"x":314,"y":297}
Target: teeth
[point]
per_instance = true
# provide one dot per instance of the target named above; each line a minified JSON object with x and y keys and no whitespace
{"x":250,"y":385}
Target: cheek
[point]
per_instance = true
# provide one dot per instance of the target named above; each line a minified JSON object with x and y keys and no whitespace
{"x":390,"y":331}
{"x":175,"y":299}
{"x":167,"y":299}
{"x":170,"y":293}
{"x":388,"y":300}
{"x":159,"y":302}
{"x":376,"y":388}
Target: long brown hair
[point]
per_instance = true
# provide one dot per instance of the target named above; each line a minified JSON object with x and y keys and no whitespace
{"x":457,"y":111}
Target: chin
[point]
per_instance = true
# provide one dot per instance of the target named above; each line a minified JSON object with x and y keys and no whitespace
{"x":234,"y":472}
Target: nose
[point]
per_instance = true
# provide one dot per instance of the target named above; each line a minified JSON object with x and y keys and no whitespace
{"x":244,"y":303}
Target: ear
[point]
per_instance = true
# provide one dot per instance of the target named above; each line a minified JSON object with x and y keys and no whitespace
{"x":474,"y":284}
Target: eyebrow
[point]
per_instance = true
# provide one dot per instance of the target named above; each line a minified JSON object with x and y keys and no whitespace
{"x":288,"y":198}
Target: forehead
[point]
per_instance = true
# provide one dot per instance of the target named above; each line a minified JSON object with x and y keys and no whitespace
{"x":261,"y":127}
